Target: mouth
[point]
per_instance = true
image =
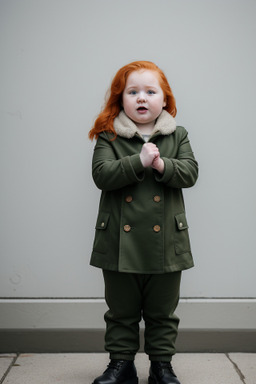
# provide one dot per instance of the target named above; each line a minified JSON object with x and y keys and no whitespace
{"x":142,"y":109}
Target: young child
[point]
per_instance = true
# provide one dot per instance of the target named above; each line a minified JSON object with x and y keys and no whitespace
{"x":141,"y":162}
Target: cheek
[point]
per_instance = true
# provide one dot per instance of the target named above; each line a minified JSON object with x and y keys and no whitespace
{"x":159,"y":104}
{"x":126,"y":104}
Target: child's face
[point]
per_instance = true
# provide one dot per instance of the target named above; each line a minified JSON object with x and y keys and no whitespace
{"x":143,"y":98}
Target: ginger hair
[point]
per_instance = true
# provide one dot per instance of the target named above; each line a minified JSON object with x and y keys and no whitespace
{"x":113,"y":105}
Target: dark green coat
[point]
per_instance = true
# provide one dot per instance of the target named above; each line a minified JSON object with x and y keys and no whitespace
{"x":141,"y":225}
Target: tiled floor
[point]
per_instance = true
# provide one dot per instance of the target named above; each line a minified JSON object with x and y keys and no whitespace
{"x":82,"y":368}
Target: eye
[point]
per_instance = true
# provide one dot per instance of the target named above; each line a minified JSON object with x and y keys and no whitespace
{"x":150,"y":92}
{"x":132,"y":92}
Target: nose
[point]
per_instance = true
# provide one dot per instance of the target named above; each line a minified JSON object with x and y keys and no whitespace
{"x":141,"y":97}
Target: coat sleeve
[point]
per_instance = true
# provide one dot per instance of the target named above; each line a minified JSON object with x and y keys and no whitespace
{"x":109,"y":172}
{"x":181,"y":171}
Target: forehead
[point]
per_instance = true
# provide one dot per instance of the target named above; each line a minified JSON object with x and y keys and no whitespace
{"x":143,"y":77}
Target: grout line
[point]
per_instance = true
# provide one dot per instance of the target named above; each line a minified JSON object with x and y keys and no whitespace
{"x":9,"y":368}
{"x":237,"y":369}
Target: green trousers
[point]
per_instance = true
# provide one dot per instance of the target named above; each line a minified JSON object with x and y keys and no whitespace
{"x":131,"y":297}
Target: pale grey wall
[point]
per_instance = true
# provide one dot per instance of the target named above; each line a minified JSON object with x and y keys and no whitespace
{"x":57,"y":60}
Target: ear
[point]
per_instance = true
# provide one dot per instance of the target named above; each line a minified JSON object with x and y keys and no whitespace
{"x":164,"y":104}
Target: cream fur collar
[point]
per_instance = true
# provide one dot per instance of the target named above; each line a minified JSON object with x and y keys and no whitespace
{"x":125,"y":127}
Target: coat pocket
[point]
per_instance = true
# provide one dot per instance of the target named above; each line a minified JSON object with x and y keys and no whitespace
{"x":101,"y":234}
{"x":182,"y":243}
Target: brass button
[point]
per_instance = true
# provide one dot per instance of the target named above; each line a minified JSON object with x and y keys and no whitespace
{"x":180,"y":224}
{"x":156,"y":228}
{"x":102,"y":224}
{"x":127,"y":228}
{"x":128,"y":199}
{"x":157,"y":199}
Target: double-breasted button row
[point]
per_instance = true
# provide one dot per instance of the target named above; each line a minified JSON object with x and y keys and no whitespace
{"x":156,"y":228}
{"x":129,"y":199}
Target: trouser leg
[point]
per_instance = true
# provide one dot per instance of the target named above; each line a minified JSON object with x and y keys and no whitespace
{"x":160,"y":299}
{"x":123,"y":297}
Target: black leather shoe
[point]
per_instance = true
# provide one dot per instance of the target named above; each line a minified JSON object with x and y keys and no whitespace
{"x":162,"y":373}
{"x":118,"y":372}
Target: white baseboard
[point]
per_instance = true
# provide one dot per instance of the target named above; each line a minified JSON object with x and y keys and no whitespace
{"x":195,"y":314}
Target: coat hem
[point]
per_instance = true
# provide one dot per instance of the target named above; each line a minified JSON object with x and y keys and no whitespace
{"x":167,"y":269}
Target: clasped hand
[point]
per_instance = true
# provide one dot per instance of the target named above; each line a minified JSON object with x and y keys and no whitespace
{"x":150,"y":157}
